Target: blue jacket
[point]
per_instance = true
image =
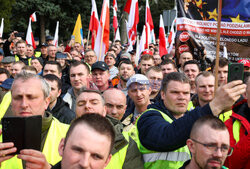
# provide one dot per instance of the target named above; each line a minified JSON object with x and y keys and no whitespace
{"x":157,"y":134}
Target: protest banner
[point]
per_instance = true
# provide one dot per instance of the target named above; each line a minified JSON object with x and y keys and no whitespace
{"x":197,"y":28}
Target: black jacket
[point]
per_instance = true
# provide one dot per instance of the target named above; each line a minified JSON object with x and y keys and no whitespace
{"x":62,"y":112}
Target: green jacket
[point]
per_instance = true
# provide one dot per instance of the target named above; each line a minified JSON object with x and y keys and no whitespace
{"x":133,"y":157}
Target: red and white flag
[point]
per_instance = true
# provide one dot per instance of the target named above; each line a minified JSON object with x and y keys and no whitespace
{"x":149,"y":26}
{"x":56,"y":37}
{"x":94,"y":23}
{"x":33,"y":17}
{"x":133,"y":19}
{"x":29,"y":36}
{"x":171,"y":36}
{"x":1,"y":28}
{"x":162,"y":38}
{"x":102,"y":40}
{"x":115,"y":21}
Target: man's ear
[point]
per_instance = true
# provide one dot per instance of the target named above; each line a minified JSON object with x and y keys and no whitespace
{"x":59,"y":92}
{"x":190,"y":145}
{"x":104,"y":111}
{"x":108,"y":160}
{"x":162,"y":95}
{"x":61,"y":147}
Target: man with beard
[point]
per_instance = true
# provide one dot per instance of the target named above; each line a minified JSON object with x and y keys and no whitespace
{"x":208,"y":143}
{"x":126,"y":70}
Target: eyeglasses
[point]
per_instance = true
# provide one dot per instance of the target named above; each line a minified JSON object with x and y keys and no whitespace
{"x":225,"y":149}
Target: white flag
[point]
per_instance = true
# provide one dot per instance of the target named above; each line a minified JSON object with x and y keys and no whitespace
{"x":55,"y":41}
{"x":1,"y":28}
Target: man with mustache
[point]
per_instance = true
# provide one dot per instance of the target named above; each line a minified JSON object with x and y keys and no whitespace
{"x":208,"y":143}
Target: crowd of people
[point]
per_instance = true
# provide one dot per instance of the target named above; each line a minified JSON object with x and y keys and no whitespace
{"x":162,"y":112}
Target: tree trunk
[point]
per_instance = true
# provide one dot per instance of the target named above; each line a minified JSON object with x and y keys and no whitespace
{"x":42,"y":29}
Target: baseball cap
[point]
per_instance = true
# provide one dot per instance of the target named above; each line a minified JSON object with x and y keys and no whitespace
{"x":7,"y":83}
{"x":138,"y":78}
{"x":49,"y":38}
{"x":8,"y":59}
{"x":245,"y":62}
{"x":100,"y":65}
{"x":44,"y":44}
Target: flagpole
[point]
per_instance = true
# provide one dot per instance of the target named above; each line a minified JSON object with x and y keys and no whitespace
{"x":88,"y":38}
{"x":218,"y":43}
{"x":101,"y":43}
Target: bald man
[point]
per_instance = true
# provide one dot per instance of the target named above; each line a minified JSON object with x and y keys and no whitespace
{"x":115,"y":101}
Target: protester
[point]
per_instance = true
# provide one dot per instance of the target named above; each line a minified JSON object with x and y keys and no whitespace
{"x":168,"y":66}
{"x":208,"y":143}
{"x":138,"y":91}
{"x":146,"y":62}
{"x":37,"y":62}
{"x":110,"y":61}
{"x":100,"y":75}
{"x":90,"y":57}
{"x":87,"y":134}
{"x":125,"y":153}
{"x":79,"y":74}
{"x":222,"y":70}
{"x":155,"y":76}
{"x":126,"y":70}
{"x":58,"y":108}
{"x":238,"y":126}
{"x":7,"y":62}
{"x":191,"y":70}
{"x":38,"y":91}
{"x":16,"y":68}
{"x":185,"y":56}
{"x":115,"y":101}
{"x":51,"y":53}
{"x":173,"y":122}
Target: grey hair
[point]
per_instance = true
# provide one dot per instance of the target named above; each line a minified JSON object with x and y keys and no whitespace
{"x":85,"y":90}
{"x":26,"y":76}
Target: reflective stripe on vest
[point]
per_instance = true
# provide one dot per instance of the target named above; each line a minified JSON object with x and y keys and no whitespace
{"x":118,"y":158}
{"x":170,"y":160}
{"x":236,"y":130}
{"x":56,"y":132}
{"x":169,"y":156}
{"x":5,"y":104}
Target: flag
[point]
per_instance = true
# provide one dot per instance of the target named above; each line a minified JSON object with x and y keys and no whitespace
{"x":29,"y":36}
{"x":117,"y":35}
{"x":149,"y":26}
{"x":162,"y":38}
{"x":115,"y":22}
{"x":77,"y":33}
{"x":133,"y":19}
{"x":142,"y":43}
{"x":55,"y":41}
{"x":1,"y":28}
{"x":94,"y":23}
{"x":33,"y":17}
{"x":171,"y":36}
{"x":102,"y":40}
